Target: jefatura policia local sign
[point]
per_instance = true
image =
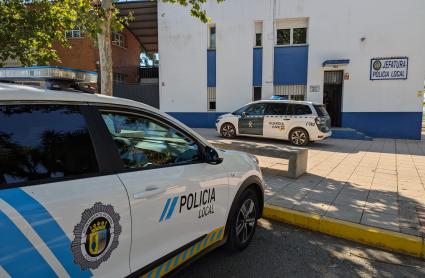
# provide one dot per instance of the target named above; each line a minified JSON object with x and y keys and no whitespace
{"x":389,"y":68}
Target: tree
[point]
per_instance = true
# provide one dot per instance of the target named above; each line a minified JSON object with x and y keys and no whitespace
{"x":28,"y":31}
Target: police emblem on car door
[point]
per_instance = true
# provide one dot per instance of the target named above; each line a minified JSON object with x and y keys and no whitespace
{"x":251,"y":120}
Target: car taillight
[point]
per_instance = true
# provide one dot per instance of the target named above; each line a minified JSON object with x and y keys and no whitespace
{"x":321,"y":124}
{"x":320,"y":121}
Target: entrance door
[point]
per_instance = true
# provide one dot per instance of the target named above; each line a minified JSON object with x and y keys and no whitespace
{"x":332,"y":95}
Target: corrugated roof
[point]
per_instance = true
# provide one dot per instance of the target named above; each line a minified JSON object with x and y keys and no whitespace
{"x":145,"y":23}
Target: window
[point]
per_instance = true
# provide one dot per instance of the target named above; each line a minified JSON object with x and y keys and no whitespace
{"x":119,"y":77}
{"x":43,"y":142}
{"x":258,"y":40}
{"x":119,"y":39}
{"x":292,"y":31}
{"x":283,"y":36}
{"x":321,"y":110}
{"x":277,"y":109}
{"x":211,"y":91}
{"x":143,"y":142}
{"x":74,"y":33}
{"x":256,"y":109}
{"x":293,"y":92}
{"x":299,"y":36}
{"x":257,"y":93}
{"x":212,"y":37}
{"x":258,"y":34}
{"x":239,"y":111}
{"x":298,"y":109}
{"x":297,"y":97}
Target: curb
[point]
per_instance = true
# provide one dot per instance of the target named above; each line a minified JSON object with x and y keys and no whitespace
{"x":376,"y":237}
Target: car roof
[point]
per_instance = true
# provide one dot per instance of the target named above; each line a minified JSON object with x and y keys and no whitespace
{"x":14,"y":93}
{"x":25,"y":93}
{"x":286,"y":101}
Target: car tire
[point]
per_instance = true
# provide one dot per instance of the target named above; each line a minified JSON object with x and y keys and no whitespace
{"x":299,"y":137}
{"x":243,"y":222}
{"x":228,"y":130}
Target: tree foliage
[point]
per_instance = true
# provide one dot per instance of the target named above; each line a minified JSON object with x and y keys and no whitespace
{"x":29,"y":31}
{"x":195,"y":6}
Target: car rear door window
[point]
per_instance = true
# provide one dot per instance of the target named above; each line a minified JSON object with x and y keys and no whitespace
{"x":40,"y":142}
{"x":298,"y":110}
{"x":143,"y":142}
{"x":276,"y":109}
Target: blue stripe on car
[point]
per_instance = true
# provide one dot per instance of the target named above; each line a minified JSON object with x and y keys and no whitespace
{"x":173,"y":205}
{"x":17,"y":255}
{"x":165,"y":209}
{"x":46,"y":227}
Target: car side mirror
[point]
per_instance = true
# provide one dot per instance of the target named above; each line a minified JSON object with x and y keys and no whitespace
{"x":211,"y":156}
{"x":243,"y":114}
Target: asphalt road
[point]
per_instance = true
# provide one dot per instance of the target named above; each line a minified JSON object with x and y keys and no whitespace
{"x":279,"y":250}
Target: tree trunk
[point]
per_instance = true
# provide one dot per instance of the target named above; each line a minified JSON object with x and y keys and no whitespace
{"x":105,"y":50}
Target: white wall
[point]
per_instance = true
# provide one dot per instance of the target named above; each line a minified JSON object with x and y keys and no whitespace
{"x":391,"y":28}
{"x":182,"y":60}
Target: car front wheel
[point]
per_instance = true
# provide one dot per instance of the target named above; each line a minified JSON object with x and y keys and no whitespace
{"x":299,"y":137}
{"x":244,"y":221}
{"x":228,"y":130}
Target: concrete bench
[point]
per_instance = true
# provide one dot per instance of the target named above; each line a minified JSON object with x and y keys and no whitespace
{"x":297,"y":157}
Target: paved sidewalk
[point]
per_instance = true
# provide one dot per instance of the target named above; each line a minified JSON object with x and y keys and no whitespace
{"x":377,"y":183}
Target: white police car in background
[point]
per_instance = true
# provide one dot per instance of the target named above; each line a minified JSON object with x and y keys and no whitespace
{"x":101,"y":186}
{"x":300,"y":122}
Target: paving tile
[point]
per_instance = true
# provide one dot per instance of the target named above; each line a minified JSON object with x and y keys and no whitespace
{"x":381,"y":220}
{"x":276,"y":184}
{"x":325,"y":193}
{"x":384,"y":187}
{"x":295,"y":186}
{"x":350,"y":191}
{"x":309,"y":179}
{"x":283,"y":201}
{"x":312,"y":206}
{"x":345,"y":212}
{"x":382,"y":196}
{"x":390,"y":207}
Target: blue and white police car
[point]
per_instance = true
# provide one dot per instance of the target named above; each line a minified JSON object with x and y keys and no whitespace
{"x":300,"y":122}
{"x":101,"y":186}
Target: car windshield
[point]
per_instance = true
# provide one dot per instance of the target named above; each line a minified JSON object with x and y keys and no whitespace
{"x":240,"y":110}
{"x":321,"y":110}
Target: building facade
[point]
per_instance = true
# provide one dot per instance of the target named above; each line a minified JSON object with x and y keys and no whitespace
{"x":84,"y":55}
{"x":364,"y":59}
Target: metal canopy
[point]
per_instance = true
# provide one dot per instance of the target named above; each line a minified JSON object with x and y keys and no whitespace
{"x":145,"y":23}
{"x":339,"y":62}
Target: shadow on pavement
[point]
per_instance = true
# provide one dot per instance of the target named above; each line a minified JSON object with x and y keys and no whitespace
{"x":279,"y":250}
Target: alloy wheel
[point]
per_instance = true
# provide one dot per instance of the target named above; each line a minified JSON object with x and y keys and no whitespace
{"x":245,"y":222}
{"x":299,"y":137}
{"x":228,"y":131}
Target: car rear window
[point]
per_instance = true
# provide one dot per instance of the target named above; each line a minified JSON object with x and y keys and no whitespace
{"x":321,"y":110}
{"x":298,"y":109}
{"x":40,"y":142}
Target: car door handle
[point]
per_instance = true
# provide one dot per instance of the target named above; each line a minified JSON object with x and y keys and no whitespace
{"x":286,"y":119}
{"x":149,"y":192}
